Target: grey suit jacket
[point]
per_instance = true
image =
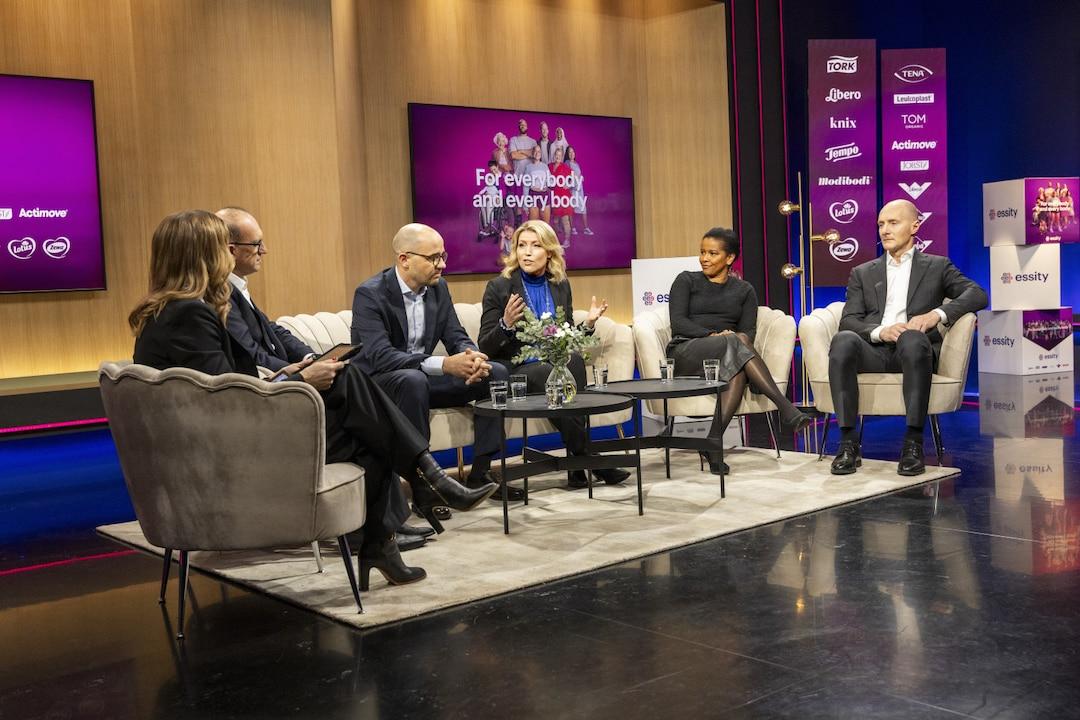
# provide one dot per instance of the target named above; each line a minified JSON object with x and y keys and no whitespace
{"x":933,"y":279}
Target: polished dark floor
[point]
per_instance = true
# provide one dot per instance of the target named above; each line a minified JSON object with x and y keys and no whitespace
{"x":958,"y":598}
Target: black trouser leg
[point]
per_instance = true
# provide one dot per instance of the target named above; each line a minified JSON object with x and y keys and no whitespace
{"x":916,"y":357}
{"x":849,"y":355}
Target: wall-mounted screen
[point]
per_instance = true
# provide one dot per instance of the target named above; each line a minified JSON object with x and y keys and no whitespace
{"x":479,"y":173}
{"x":50,"y":205}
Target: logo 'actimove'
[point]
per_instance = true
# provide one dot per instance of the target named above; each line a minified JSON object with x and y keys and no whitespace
{"x":845,"y":250}
{"x":842,"y":152}
{"x":836,"y":95}
{"x":22,"y":249}
{"x":57,"y":248}
{"x":913,"y":73}
{"x":844,"y":212}
{"x":842,"y":64}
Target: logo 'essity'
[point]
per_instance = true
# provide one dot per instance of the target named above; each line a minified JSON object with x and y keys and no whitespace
{"x":842,"y":64}
{"x":914,"y":190}
{"x":1007,"y":278}
{"x":22,"y":249}
{"x":57,"y":248}
{"x":1001,"y":214}
{"x":844,"y":212}
{"x":648,"y":298}
{"x":913,"y":73}
{"x":842,"y":152}
{"x":845,"y":250}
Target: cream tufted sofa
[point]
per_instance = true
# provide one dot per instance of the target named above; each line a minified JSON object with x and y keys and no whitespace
{"x":882,"y":393}
{"x":774,"y":342}
{"x":451,"y":428}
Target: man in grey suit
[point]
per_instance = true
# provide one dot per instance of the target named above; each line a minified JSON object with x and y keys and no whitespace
{"x":890,"y":324}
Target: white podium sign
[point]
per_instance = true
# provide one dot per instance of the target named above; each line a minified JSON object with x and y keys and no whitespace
{"x":1024,"y":406}
{"x":651,"y":279}
{"x":1003,"y":213}
{"x":1025,"y":277}
{"x":1025,"y":342}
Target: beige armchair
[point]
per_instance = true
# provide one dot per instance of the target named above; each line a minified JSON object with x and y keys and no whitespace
{"x":451,"y":428}
{"x":774,"y":342}
{"x":227,"y":462}
{"x":882,"y":393}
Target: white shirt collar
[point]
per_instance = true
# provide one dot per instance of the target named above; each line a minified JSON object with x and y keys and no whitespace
{"x":906,"y":257}
{"x":405,"y":289}
{"x":241,"y":284}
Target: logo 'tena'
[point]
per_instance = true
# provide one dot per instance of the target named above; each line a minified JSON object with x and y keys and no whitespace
{"x":57,"y":248}
{"x":845,"y":250}
{"x":913,"y":73}
{"x":844,"y":212}
{"x":648,"y":298}
{"x":22,"y":249}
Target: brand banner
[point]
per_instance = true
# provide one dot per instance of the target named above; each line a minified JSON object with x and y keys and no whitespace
{"x":914,"y":158}
{"x":843,"y":154}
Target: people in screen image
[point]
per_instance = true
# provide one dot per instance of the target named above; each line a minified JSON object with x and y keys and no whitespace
{"x":538,"y":193}
{"x":561,"y":195}
{"x":1068,"y":210}
{"x":545,"y":143}
{"x":1053,"y":203}
{"x":493,"y":211}
{"x":559,"y":143}
{"x":501,"y":153}
{"x":521,"y":151}
{"x":578,"y":194}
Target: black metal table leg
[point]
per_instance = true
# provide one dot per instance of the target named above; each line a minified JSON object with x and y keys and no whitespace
{"x":637,"y":451}
{"x":502,"y":478}
{"x":524,"y":462}
{"x":667,"y":448}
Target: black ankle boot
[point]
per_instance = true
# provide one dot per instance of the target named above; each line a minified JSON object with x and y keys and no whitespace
{"x":434,"y":487}
{"x":386,"y":558}
{"x":797,"y":421}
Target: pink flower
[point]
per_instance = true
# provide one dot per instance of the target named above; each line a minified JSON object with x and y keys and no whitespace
{"x":550,"y":330}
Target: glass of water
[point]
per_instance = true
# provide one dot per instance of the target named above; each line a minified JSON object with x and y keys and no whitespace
{"x":667,"y":369}
{"x":498,"y":394}
{"x":519,"y":385}
{"x":712,"y":371}
{"x":554,"y":396}
{"x":599,"y":371}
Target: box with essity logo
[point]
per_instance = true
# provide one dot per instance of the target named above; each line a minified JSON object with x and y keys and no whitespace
{"x":1032,"y":468}
{"x":1030,"y":211}
{"x":1026,"y":406}
{"x":1025,"y":342}
{"x":1025,"y":277}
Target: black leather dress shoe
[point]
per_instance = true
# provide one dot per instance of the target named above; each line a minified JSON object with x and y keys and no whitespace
{"x":578,"y":479}
{"x":911,"y":459}
{"x":847,"y":459}
{"x":611,"y":476}
{"x":513,"y":494}
{"x":418,"y":530}
{"x":409,"y":542}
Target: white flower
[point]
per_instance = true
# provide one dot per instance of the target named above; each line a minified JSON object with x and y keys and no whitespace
{"x":545,"y":315}
{"x":561,"y":332}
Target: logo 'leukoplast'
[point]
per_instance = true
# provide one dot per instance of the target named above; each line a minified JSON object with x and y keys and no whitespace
{"x":57,"y":248}
{"x":844,"y":212}
{"x":22,"y":249}
{"x":845,"y":250}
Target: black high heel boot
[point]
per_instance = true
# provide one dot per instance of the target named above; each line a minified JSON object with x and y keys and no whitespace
{"x":432,"y":486}
{"x":386,"y":558}
{"x":798,"y":421}
{"x":716,"y":467}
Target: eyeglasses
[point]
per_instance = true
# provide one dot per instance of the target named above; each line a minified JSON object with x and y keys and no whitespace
{"x":257,"y":245}
{"x":434,"y":258}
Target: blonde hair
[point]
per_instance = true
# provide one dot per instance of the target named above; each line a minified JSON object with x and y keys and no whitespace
{"x":500,"y":135}
{"x":189,"y":260}
{"x":556,"y":264}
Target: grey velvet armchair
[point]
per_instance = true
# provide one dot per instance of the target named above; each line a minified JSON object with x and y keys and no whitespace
{"x":227,"y":462}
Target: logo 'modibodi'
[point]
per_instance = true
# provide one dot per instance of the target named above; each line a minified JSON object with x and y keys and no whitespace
{"x":845,"y":250}
{"x":22,"y":249}
{"x":844,"y":212}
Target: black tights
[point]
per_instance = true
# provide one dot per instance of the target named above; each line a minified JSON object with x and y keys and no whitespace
{"x":757,"y":374}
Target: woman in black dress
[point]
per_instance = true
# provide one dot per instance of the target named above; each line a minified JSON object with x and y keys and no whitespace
{"x":714,"y":316}
{"x":535,"y":278}
{"x":181,"y":323}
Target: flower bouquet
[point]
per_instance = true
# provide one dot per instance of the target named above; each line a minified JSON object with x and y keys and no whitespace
{"x":553,"y":340}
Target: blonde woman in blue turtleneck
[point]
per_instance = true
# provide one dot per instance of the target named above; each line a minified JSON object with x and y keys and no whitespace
{"x":534,"y":277}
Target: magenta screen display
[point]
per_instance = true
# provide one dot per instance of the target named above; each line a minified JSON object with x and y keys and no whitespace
{"x":479,"y":173}
{"x":50,"y":209}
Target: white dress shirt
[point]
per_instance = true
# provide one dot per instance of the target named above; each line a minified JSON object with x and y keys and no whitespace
{"x":414,"y":321}
{"x":897,"y":281}
{"x":241,"y":284}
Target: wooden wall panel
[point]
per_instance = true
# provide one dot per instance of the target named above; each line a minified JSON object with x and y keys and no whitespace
{"x":297,"y":111}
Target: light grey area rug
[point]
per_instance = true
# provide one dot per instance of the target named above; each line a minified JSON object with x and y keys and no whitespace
{"x":560,"y":533}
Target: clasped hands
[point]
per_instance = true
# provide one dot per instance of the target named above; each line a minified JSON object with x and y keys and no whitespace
{"x":471,"y":366}
{"x":921,"y":323}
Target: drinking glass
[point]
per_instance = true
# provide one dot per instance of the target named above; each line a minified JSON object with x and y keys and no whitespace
{"x":712,"y":371}
{"x":519,"y":385}
{"x":498,"y":394}
{"x":667,"y":369}
{"x":599,"y":370}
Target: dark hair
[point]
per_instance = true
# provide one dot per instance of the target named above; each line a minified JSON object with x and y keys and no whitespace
{"x":726,"y":237}
{"x":492,"y":162}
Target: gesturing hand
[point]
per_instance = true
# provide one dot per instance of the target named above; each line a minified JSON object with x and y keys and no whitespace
{"x":515,"y":310}
{"x":596,"y":310}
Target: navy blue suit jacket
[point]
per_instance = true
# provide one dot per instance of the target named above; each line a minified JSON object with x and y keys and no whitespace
{"x":268,"y":344}
{"x":379,"y":324}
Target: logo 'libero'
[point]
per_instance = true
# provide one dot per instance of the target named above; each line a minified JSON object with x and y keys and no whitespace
{"x":837,"y":95}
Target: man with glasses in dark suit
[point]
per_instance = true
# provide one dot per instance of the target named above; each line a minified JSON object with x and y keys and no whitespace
{"x":399,"y":316}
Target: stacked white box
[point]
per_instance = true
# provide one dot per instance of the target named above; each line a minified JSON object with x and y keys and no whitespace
{"x":1025,"y":331}
{"x":1021,"y":406}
